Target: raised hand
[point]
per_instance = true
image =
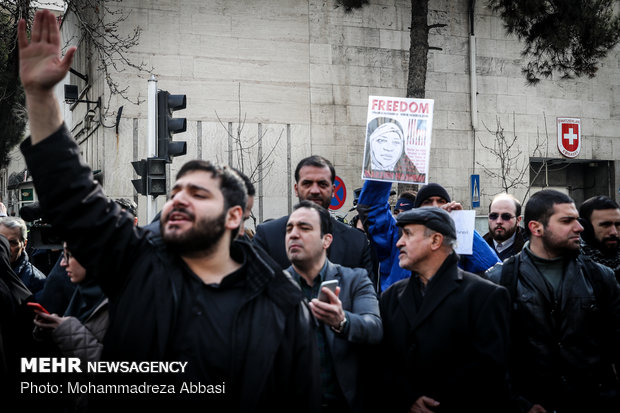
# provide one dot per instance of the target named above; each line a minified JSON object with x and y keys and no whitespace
{"x":40,"y":64}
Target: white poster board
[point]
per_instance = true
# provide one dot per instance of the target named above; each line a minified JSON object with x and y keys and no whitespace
{"x":398,"y":139}
{"x":465,"y":222}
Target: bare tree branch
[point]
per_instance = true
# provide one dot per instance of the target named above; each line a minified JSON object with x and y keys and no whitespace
{"x":512,"y":165}
{"x":243,"y":145}
{"x":99,"y":22}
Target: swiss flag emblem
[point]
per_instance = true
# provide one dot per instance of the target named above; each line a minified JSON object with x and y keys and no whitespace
{"x":569,"y":136}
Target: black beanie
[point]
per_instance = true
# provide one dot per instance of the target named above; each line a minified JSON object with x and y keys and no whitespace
{"x":428,"y":191}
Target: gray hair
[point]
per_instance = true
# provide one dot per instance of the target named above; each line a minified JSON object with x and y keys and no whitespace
{"x":447,"y":241}
{"x":16,"y":222}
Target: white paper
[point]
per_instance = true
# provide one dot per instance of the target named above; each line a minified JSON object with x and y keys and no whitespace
{"x":465,"y":222}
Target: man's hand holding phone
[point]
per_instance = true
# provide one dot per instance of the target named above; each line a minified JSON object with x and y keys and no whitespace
{"x":329,"y":312}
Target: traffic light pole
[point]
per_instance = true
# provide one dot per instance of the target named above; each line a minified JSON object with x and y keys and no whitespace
{"x":151,"y":203}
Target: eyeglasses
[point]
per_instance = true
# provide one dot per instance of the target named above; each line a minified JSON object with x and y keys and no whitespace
{"x":505,"y":216}
{"x":66,"y":255}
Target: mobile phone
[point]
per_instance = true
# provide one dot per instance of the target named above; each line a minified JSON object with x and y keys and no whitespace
{"x":331,"y":284}
{"x":37,"y":306}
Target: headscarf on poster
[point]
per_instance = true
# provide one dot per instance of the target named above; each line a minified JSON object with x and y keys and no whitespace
{"x":397,"y":149}
{"x":398,"y":139}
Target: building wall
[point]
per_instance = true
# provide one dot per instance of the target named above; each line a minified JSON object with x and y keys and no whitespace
{"x":299,"y":73}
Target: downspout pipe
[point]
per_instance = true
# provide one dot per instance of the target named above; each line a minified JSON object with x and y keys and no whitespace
{"x":472,"y":67}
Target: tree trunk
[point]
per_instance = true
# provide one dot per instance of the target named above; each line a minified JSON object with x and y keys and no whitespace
{"x":418,"y":49}
{"x":418,"y":57}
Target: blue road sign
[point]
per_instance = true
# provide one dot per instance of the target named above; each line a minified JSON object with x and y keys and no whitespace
{"x":475,"y":191}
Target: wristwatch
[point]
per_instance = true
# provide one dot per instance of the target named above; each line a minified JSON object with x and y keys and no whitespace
{"x":341,"y":326}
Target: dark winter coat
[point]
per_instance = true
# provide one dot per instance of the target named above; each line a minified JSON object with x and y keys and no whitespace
{"x":563,"y":347}
{"x":277,"y":359}
{"x":454,"y":349}
{"x":30,"y":275}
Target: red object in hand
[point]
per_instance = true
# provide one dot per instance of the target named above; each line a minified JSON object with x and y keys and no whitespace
{"x":37,"y":306}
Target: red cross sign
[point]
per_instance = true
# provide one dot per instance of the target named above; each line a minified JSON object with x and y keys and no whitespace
{"x":569,"y":136}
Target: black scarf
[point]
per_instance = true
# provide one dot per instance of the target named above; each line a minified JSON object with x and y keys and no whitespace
{"x":611,"y":261}
{"x":86,"y":298}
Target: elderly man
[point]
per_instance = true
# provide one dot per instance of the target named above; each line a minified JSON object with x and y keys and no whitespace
{"x":600,"y":217}
{"x":16,"y":232}
{"x":374,"y":211}
{"x":505,"y":235}
{"x":445,"y":343}
{"x":349,"y":316}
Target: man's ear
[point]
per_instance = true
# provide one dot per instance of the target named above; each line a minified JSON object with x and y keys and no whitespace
{"x":234,"y":217}
{"x":436,"y":241}
{"x":327,"y":240}
{"x":519,"y":219}
{"x":536,"y":228}
{"x":295,"y":187}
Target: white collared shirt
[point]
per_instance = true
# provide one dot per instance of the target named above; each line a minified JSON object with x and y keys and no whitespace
{"x":501,"y":246}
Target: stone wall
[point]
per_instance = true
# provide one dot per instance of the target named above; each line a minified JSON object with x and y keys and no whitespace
{"x":299,"y":73}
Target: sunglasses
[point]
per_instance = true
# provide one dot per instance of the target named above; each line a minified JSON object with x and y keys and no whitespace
{"x":505,"y":216}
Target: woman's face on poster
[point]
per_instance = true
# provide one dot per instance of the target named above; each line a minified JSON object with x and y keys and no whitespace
{"x":386,"y":147}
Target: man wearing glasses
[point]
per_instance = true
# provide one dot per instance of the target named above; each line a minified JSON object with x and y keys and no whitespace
{"x":505,"y":235}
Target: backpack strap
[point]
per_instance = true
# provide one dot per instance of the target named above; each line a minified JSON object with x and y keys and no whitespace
{"x":510,"y":276}
{"x":592,"y":274}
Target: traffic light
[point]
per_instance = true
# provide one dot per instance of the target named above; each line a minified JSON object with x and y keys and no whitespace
{"x":152,"y":173}
{"x":167,"y":125}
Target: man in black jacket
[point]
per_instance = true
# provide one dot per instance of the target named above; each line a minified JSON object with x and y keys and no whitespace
{"x":600,"y":239}
{"x":566,"y":315}
{"x":193,"y":295}
{"x":445,"y":330}
{"x":314,"y":177}
{"x":505,"y":235}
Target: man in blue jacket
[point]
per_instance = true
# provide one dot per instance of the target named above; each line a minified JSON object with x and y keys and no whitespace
{"x":383,"y":233}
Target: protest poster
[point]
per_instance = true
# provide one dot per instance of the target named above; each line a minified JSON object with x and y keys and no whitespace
{"x":398,"y":139}
{"x":465,"y":222}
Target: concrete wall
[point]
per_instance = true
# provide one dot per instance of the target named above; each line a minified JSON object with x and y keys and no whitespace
{"x":299,"y":73}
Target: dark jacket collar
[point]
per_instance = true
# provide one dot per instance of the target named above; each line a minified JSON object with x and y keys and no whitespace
{"x":445,"y":281}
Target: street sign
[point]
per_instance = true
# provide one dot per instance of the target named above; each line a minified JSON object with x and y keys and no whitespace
{"x":27,"y":194}
{"x":569,"y":136}
{"x":475,"y":191}
{"x":340,"y":194}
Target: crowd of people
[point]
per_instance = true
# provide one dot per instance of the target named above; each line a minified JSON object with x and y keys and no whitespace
{"x":308,"y":313}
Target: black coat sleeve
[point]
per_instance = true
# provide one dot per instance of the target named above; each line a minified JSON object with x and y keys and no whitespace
{"x":98,"y":233}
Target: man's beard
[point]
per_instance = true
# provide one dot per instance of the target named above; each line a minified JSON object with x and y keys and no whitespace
{"x":325,"y":203}
{"x":564,"y":248}
{"x":200,"y":239}
{"x":607,"y":250}
{"x":504,"y":235}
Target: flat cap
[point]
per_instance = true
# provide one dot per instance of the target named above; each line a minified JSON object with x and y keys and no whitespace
{"x":431,"y":217}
